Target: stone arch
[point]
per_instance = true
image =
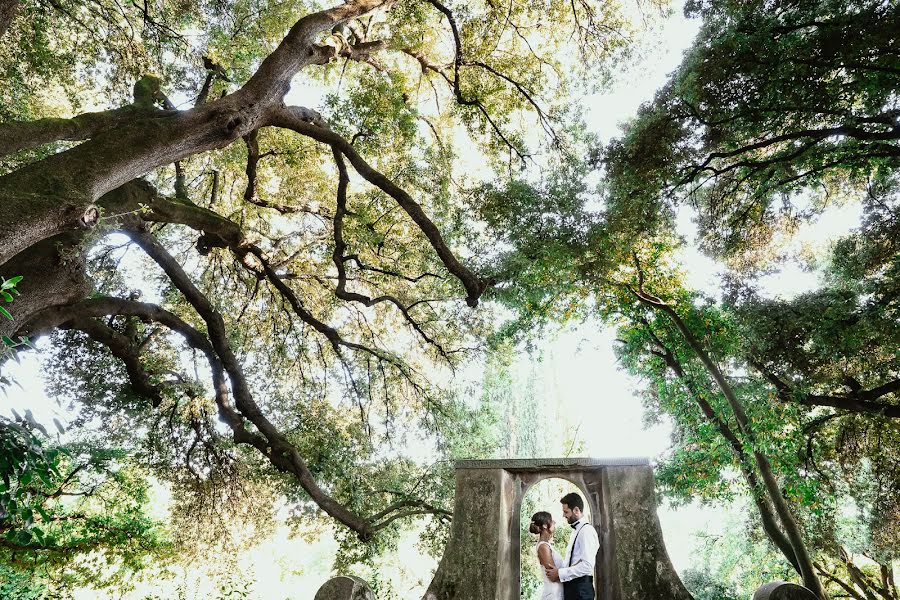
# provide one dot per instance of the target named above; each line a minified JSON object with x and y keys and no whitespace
{"x":528,"y":483}
{"x":579,"y":483}
{"x":482,"y":562}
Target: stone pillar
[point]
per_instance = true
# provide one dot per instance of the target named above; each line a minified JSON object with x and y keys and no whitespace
{"x":471,"y":566}
{"x":345,"y":587}
{"x":779,"y":590}
{"x":634,"y":562}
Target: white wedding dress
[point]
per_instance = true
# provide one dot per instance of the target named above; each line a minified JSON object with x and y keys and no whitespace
{"x":552,"y":590}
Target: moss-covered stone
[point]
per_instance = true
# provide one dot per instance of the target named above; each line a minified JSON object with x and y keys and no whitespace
{"x":345,"y":588}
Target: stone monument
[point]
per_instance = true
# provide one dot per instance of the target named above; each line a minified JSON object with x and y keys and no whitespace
{"x":481,"y":561}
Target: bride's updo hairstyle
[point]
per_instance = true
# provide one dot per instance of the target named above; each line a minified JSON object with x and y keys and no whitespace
{"x":539,"y":521}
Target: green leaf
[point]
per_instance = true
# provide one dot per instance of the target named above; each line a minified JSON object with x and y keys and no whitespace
{"x":5,"y":313}
{"x":7,"y":296}
{"x":38,"y":534}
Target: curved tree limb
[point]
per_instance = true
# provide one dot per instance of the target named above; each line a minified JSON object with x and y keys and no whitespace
{"x":57,"y":193}
{"x":123,"y":349}
{"x":338,"y":258}
{"x":298,"y":119}
{"x":458,"y":61}
{"x":745,"y":462}
{"x":788,"y":521}
{"x":279,"y":450}
{"x":860,"y":401}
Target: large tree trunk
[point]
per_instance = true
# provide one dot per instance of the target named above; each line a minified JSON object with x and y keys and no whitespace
{"x":58,"y":194}
{"x":53,"y":274}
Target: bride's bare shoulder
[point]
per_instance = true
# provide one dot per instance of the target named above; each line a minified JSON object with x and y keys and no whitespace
{"x":544,"y":553}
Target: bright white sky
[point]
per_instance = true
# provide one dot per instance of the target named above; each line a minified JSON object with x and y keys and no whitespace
{"x":579,"y":374}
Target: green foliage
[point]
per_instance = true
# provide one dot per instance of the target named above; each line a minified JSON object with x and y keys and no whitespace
{"x":773,"y":116}
{"x":16,"y":585}
{"x":703,"y":586}
{"x":27,"y":468}
{"x":103,"y":526}
{"x":10,"y":347}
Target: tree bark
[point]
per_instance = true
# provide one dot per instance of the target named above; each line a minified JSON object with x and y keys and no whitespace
{"x":8,"y":10}
{"x":745,"y":463}
{"x":53,"y":274}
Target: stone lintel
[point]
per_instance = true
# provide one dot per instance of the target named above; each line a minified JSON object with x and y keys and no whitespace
{"x":552,"y":464}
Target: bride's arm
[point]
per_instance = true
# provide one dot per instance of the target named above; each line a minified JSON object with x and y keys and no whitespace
{"x":545,"y":557}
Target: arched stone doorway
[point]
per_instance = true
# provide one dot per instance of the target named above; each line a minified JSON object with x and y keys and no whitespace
{"x":481,"y":561}
{"x":544,"y":494}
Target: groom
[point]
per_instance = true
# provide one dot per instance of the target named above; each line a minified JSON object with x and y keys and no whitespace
{"x":578,"y":575}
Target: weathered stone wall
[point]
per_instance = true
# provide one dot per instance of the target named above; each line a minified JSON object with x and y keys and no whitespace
{"x":635,"y":564}
{"x":471,"y":566}
{"x":481,"y":561}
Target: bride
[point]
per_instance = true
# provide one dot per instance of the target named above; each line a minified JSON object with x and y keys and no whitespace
{"x":543,"y":525}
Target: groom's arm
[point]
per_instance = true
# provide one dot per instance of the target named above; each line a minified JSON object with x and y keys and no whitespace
{"x":582,"y":567}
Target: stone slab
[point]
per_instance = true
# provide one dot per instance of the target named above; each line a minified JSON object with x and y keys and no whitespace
{"x":553,"y":464}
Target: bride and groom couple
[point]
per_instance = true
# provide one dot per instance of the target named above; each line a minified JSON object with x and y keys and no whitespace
{"x":572,"y":577}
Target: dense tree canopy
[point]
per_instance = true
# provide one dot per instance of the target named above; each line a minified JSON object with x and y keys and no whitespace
{"x":778,"y":112}
{"x":261,"y":236}
{"x":244,"y":225}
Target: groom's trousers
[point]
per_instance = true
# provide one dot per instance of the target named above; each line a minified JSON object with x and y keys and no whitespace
{"x":580,"y":588}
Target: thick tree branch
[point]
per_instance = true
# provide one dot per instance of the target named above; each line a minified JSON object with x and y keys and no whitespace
{"x":860,"y":401}
{"x":298,"y":119}
{"x":59,"y":191}
{"x":280,"y":451}
{"x":125,"y":350}
{"x":271,"y":81}
{"x":788,"y":521}
{"x":745,"y":462}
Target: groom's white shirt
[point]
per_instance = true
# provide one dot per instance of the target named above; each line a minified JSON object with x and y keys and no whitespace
{"x":582,"y":550}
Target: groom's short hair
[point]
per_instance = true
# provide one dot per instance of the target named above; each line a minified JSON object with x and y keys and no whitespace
{"x":573,"y":500}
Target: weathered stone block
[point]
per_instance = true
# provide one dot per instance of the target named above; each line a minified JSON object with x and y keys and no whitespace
{"x":779,"y":590}
{"x":345,"y":587}
{"x":636,"y":565}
